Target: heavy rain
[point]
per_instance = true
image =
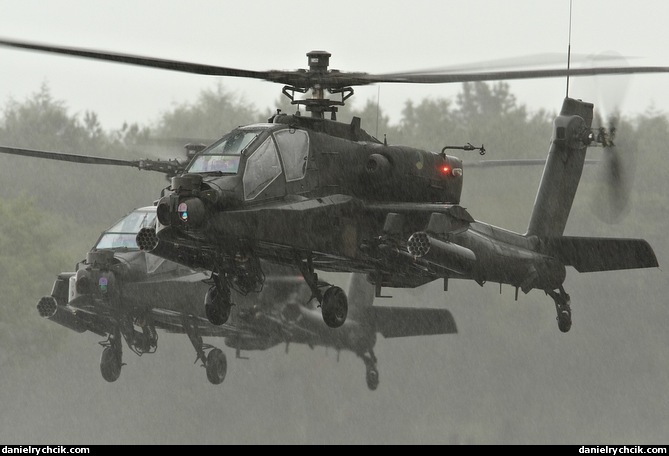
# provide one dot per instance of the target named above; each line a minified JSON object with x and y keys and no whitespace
{"x":509,"y":375}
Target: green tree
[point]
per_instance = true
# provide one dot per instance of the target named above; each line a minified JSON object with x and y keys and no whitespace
{"x":30,"y":258}
{"x":214,"y":113}
{"x":42,"y":122}
{"x":373,"y":120}
{"x":489,"y":113}
{"x":92,"y":196}
{"x":649,"y":186}
{"x":429,"y":125}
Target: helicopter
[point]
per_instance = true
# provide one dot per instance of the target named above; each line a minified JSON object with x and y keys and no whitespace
{"x":321,"y":195}
{"x":120,"y":292}
{"x":294,"y":322}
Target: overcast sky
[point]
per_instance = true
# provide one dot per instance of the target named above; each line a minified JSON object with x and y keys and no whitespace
{"x":370,"y":36}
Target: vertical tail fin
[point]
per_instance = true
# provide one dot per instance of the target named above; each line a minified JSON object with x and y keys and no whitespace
{"x":563,"y":169}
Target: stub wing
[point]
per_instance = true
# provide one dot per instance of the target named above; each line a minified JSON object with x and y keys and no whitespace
{"x":407,"y":321}
{"x":590,"y":254}
{"x":178,"y":322}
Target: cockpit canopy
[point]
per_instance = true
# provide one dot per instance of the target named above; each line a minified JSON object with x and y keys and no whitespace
{"x":261,"y":153}
{"x":225,"y":155}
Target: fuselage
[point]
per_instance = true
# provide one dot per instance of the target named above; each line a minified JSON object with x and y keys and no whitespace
{"x":310,"y":188}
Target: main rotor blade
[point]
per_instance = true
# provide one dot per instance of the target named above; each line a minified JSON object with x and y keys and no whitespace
{"x":67,"y":157}
{"x":525,"y":61}
{"x":151,"y":62}
{"x":328,"y":79}
{"x":169,"y":167}
{"x":431,"y":78}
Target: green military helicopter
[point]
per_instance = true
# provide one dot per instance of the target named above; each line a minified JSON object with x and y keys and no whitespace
{"x":122,"y":293}
{"x":320,"y":195}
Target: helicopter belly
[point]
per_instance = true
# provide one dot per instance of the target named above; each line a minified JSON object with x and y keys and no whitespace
{"x":164,"y":292}
{"x":323,"y":224}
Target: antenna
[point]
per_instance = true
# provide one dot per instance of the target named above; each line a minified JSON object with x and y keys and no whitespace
{"x":569,"y":49}
{"x":378,"y":96}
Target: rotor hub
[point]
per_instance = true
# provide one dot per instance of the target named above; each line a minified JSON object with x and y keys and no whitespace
{"x":319,"y":61}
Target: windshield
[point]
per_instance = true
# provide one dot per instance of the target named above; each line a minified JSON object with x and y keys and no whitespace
{"x":124,"y":233}
{"x":224,"y":156}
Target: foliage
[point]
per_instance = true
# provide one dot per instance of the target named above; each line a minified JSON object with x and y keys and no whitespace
{"x":427,"y":125}
{"x":43,"y":123}
{"x":213,"y":114}
{"x":30,"y":257}
{"x":93,"y":196}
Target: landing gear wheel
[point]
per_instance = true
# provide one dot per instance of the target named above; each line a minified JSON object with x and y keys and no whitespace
{"x":564,"y":319}
{"x":563,"y":308}
{"x":216,"y":308}
{"x":217,"y":366}
{"x":110,"y":364}
{"x":372,"y":378}
{"x":334,"y":307}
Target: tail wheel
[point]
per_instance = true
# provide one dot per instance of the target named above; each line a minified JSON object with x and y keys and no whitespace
{"x":562,"y":301}
{"x":334,"y":307}
{"x":217,"y":366}
{"x":564,"y":320}
{"x":110,"y":364}
{"x":372,"y":379}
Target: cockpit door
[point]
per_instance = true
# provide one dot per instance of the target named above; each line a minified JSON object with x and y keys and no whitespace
{"x":294,"y":151}
{"x":262,"y":172}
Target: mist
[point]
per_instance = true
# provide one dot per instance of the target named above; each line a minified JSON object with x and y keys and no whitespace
{"x":508,"y":377}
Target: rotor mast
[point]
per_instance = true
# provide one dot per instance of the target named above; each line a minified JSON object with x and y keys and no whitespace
{"x":318,"y":81}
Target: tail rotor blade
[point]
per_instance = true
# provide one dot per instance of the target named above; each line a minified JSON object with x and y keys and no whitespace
{"x":612,"y":194}
{"x":611,"y":202}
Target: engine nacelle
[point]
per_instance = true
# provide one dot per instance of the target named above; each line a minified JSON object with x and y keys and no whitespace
{"x":378,"y":166}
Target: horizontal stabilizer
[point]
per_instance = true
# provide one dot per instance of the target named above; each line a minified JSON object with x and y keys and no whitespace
{"x":407,"y":321}
{"x":588,"y":254}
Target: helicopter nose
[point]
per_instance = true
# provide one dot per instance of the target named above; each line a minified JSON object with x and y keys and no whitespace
{"x":84,"y":284}
{"x":191,"y":212}
{"x":163,"y":212}
{"x":95,"y":282}
{"x":185,"y":212}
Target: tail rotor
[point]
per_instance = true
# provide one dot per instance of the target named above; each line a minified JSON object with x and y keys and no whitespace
{"x":613,"y":183}
{"x":612,"y":193}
